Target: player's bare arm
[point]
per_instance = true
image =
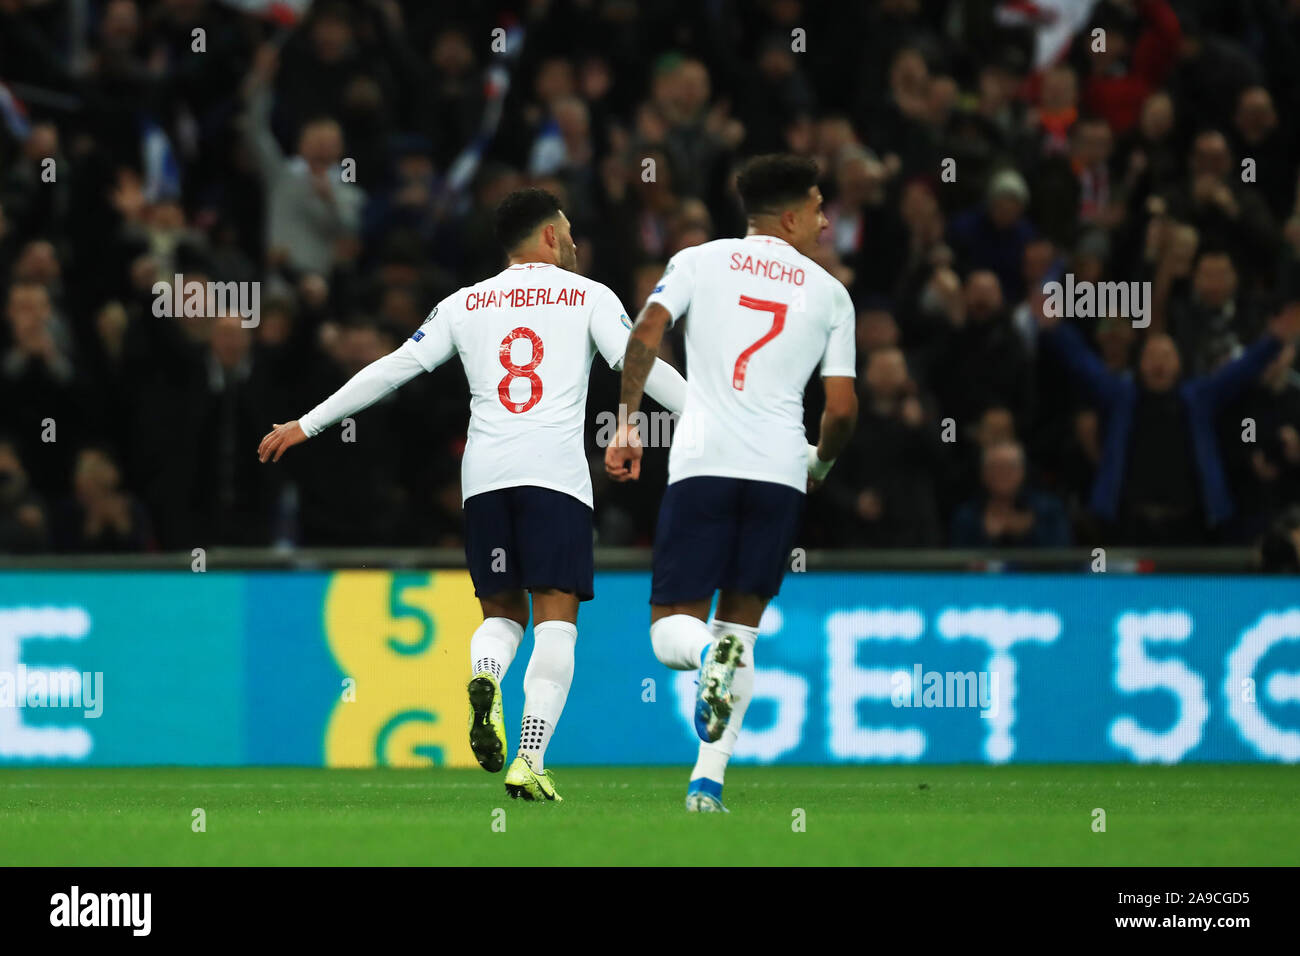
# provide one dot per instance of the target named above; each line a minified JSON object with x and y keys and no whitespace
{"x":623,"y":456}
{"x":839,"y":418}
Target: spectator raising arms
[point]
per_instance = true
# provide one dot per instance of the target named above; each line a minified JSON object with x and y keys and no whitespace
{"x":1161,"y":479}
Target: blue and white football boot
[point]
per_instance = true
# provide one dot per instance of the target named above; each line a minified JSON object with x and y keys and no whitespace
{"x":713,"y":693}
{"x":705,"y":796}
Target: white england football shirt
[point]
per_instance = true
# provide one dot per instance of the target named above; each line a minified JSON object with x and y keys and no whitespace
{"x":526,"y":338}
{"x":760,"y":317}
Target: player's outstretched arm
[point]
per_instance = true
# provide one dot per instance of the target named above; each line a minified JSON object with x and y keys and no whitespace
{"x":360,"y":392}
{"x":666,"y":386}
{"x":623,"y":456}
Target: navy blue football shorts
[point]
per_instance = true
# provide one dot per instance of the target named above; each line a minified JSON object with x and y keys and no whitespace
{"x":730,"y":534}
{"x":528,"y":537}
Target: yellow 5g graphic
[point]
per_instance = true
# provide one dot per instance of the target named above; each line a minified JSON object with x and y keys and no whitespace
{"x":403,"y":637}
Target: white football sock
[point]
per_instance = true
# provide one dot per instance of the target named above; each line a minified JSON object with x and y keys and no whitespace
{"x":712,"y":760}
{"x":493,"y":646}
{"x":546,"y":687}
{"x":679,"y":640}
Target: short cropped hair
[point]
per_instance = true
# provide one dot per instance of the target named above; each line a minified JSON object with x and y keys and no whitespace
{"x":770,"y":184}
{"x":521,"y":212}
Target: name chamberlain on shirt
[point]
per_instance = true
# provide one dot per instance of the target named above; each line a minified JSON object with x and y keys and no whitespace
{"x":523,"y":298}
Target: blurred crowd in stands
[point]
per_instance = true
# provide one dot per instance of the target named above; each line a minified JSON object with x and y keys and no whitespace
{"x":962,"y":172}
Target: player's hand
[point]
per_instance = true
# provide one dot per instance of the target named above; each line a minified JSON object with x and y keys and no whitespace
{"x":817,"y":469}
{"x":280,"y":440}
{"x":623,"y":455}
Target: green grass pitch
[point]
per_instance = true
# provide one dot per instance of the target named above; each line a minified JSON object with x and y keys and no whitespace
{"x":873,"y":815}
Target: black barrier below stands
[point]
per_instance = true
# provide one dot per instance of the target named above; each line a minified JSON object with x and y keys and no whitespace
{"x":1116,"y":560}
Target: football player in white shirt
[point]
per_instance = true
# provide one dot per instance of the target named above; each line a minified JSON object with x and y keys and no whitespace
{"x":760,"y":317}
{"x":526,"y":338}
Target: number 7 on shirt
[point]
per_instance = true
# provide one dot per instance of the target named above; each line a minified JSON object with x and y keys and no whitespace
{"x":778,"y":310}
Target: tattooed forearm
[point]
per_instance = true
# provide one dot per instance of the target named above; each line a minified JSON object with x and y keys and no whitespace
{"x":639,"y":357}
{"x":637,"y":362}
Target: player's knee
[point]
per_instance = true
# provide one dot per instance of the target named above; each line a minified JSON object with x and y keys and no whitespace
{"x":512,"y":605}
{"x":552,"y":604}
{"x":678,"y":639}
{"x":661,"y":640}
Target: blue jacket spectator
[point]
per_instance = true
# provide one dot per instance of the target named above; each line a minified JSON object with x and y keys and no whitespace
{"x":1121,"y":399}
